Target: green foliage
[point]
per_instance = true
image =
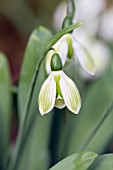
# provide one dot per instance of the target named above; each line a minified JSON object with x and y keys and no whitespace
{"x":85,"y":161}
{"x":38,"y":126}
{"x":103,"y":162}
{"x":79,"y":161}
{"x":5,"y":108}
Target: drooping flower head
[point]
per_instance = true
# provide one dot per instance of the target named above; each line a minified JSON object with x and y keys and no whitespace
{"x":68,"y":48}
{"x":58,"y":90}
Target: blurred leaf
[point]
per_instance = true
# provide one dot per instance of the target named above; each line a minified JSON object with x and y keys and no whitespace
{"x":104,"y":162}
{"x":35,"y":154}
{"x":99,"y":96}
{"x":79,"y":161}
{"x":5,"y":106}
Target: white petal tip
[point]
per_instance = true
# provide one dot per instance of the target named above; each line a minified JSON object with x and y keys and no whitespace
{"x":92,"y":73}
{"x":43,"y":113}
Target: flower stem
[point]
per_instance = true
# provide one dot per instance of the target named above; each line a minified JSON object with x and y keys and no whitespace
{"x":70,"y":14}
{"x":105,"y":114}
{"x":70,"y":8}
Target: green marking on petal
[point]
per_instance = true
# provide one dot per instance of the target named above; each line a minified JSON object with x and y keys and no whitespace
{"x":70,"y":48}
{"x":58,"y":90}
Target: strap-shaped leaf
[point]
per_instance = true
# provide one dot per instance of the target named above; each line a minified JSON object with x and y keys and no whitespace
{"x":79,"y":161}
{"x":5,"y":107}
{"x":33,"y":54}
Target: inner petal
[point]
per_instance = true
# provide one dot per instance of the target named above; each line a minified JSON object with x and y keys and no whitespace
{"x":59,"y":102}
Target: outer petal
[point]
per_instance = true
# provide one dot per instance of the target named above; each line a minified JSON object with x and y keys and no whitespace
{"x":62,"y":48}
{"x":48,"y":61}
{"x":70,"y":93}
{"x":47,"y":95}
{"x":84,"y":58}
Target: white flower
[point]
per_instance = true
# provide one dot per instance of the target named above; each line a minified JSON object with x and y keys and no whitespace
{"x":67,"y":47}
{"x":59,"y":90}
{"x":99,"y":51}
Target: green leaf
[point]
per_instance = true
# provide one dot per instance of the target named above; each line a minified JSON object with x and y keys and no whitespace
{"x":79,"y":161}
{"x":36,"y":138}
{"x":103,"y":162}
{"x":34,"y":52}
{"x":5,"y":106}
{"x":98,"y":97}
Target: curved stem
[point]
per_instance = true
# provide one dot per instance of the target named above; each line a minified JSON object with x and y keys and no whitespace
{"x":70,"y":8}
{"x":98,"y":125}
{"x":70,"y":14}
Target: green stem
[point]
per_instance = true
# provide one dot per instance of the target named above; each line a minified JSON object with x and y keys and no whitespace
{"x":70,"y":8}
{"x":70,"y":14}
{"x":98,"y":125}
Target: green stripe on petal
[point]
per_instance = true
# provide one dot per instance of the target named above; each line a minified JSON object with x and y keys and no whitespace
{"x":84,"y":58}
{"x":70,"y":93}
{"x":47,"y":95}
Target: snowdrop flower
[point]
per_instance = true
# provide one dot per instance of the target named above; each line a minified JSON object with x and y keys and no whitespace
{"x":68,"y":48}
{"x":99,"y":51}
{"x":58,"y":90}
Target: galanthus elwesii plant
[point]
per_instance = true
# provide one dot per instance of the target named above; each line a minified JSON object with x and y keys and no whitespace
{"x":50,"y":83}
